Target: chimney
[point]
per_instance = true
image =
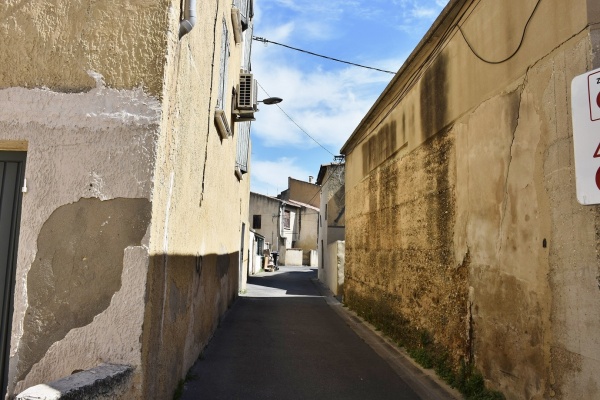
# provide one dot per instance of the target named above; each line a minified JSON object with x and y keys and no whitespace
{"x":310,"y":178}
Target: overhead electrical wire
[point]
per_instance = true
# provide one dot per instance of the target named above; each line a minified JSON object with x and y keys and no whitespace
{"x":514,"y":52}
{"x":261,"y":39}
{"x":295,"y":123}
{"x":436,"y":50}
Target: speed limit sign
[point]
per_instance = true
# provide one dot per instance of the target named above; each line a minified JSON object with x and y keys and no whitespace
{"x":585,"y":105}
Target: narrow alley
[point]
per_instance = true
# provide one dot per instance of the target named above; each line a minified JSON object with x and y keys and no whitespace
{"x":287,"y":338}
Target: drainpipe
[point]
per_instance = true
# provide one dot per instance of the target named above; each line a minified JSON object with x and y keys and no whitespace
{"x":189,"y":14}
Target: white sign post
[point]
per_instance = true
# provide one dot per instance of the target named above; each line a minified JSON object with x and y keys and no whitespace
{"x":585,"y":103}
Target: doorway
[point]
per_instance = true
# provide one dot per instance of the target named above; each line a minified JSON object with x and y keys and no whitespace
{"x":12,"y":173}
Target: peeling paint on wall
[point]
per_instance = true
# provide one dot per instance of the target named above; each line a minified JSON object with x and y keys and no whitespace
{"x":77,"y":269}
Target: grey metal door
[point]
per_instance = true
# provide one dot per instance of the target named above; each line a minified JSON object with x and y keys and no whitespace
{"x":12,"y":171}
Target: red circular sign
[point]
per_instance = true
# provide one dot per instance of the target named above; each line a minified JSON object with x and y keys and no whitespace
{"x":598,"y":100}
{"x":598,"y":178}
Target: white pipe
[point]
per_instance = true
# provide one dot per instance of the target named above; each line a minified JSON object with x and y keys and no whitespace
{"x":189,"y":21}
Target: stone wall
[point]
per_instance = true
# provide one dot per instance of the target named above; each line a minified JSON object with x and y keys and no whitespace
{"x":471,"y":238}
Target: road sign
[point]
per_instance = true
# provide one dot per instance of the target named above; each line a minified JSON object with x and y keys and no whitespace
{"x":585,"y":104}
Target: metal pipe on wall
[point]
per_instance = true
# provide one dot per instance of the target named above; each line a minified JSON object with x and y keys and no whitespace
{"x":189,"y":20}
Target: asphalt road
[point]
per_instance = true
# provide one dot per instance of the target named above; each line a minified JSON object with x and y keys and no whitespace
{"x":284,"y":340}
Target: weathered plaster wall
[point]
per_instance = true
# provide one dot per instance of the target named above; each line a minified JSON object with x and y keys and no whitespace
{"x":332,"y":215}
{"x":304,"y":192}
{"x":60,"y":284}
{"x":89,"y":162}
{"x":53,"y":43}
{"x":306,"y":229}
{"x":472,"y":207}
{"x":336,"y":204}
{"x":333,"y":271}
{"x":198,"y":203}
{"x":140,"y":128}
{"x":268,"y":209}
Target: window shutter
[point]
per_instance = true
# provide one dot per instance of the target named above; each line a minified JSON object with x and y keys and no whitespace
{"x":223,"y":67}
{"x":243,"y":146}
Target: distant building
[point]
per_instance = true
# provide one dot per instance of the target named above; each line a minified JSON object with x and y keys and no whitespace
{"x":124,"y":149}
{"x":289,"y":222}
{"x":332,"y":222}
{"x":302,"y":191}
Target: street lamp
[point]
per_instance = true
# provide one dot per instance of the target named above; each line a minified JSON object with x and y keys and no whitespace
{"x":271,"y":100}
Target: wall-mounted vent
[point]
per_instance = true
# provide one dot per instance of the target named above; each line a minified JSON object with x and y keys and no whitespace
{"x":246,"y":94}
{"x":222,"y":124}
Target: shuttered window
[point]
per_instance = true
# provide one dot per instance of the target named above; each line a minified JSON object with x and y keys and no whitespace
{"x":223,"y":67}
{"x":246,"y":11}
{"x":243,"y":146}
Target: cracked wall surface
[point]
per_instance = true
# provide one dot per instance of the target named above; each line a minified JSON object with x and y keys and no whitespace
{"x":92,"y":153}
{"x":485,"y":246}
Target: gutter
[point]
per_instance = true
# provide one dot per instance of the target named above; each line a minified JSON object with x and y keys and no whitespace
{"x":189,"y":20}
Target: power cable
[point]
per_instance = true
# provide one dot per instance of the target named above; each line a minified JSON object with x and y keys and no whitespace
{"x":295,"y":123}
{"x":514,"y":52}
{"x":260,"y":39}
{"x":441,"y":43}
{"x":412,"y":78}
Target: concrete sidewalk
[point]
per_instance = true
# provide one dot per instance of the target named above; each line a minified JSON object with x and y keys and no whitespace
{"x":289,"y":338}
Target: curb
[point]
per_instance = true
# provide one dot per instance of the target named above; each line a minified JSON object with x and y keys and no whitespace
{"x":423,"y":381}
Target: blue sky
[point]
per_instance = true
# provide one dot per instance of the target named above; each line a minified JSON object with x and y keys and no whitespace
{"x":327,"y":99}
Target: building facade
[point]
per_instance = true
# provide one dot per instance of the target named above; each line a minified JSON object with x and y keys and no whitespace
{"x":463,"y":232}
{"x":332,"y":223}
{"x":134,"y":206}
{"x":274,"y":220}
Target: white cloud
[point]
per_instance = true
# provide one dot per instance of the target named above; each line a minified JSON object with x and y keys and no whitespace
{"x":424,"y":12}
{"x":328,"y":105}
{"x":327,"y":99}
{"x":271,"y":177}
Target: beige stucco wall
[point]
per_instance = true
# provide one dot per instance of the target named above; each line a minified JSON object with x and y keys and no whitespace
{"x":98,"y":144}
{"x":332,"y":216}
{"x":293,"y":257}
{"x":268,"y":208}
{"x":303,"y":192}
{"x":332,"y":273}
{"x":116,"y":115}
{"x":471,"y":230}
{"x":306,"y":229}
{"x":53,"y":43}
{"x":199,"y":204}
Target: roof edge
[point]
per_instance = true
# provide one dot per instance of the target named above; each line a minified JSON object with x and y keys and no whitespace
{"x":424,"y":48}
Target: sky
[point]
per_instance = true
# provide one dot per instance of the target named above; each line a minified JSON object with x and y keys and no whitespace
{"x":323,"y":99}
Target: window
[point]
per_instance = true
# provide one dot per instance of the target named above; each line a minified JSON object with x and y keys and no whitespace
{"x":246,"y":10}
{"x":243,"y":146}
{"x":256,"y":221}
{"x":223,"y":67}
{"x":286,"y":219}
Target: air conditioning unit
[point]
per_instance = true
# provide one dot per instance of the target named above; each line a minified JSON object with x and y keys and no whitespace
{"x":246,"y":100}
{"x":222,"y":124}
